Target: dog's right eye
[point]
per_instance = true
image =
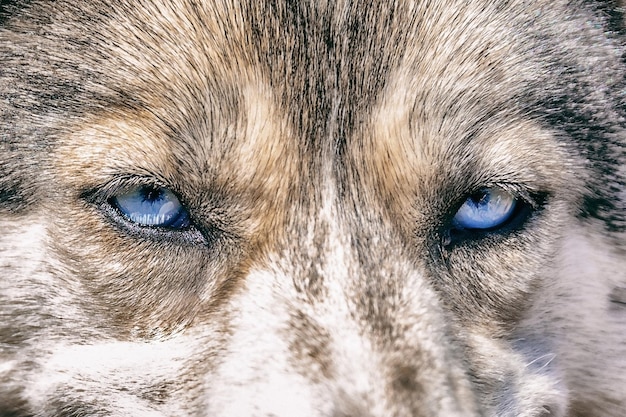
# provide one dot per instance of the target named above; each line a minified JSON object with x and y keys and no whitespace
{"x":487,"y":209}
{"x":492,"y":211}
{"x":151,"y":206}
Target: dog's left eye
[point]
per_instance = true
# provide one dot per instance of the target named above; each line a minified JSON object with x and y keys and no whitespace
{"x":486,"y":209}
{"x":151,"y":206}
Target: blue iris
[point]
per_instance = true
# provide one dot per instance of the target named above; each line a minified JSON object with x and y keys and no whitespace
{"x":152,"y":206}
{"x":488,"y":209}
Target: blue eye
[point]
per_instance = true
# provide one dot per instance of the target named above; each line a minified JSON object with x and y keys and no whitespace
{"x":487,"y":209}
{"x":152,"y":206}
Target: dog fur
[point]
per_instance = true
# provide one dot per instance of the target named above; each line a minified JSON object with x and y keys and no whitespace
{"x":321,"y":149}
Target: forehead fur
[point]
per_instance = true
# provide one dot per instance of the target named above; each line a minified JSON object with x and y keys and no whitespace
{"x":320,"y":148}
{"x":195,"y":68}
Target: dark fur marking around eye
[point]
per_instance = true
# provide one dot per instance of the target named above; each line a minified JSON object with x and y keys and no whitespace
{"x":12,"y":199}
{"x":8,"y":7}
{"x":618,"y":297}
{"x":597,"y":139}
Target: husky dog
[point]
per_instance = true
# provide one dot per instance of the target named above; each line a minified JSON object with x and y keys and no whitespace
{"x":325,"y":208}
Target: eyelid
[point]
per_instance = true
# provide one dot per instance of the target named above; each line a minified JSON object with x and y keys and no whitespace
{"x":529,"y":202}
{"x":100,"y":196}
{"x":102,"y":193}
{"x":519,"y":192}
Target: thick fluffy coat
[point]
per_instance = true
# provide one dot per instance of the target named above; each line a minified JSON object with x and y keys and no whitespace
{"x":320,"y":159}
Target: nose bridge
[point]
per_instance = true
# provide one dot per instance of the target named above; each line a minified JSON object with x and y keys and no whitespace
{"x":327,"y":247}
{"x":369,"y":322}
{"x":337,"y":322}
{"x":352,"y":258}
{"x":331,"y":282}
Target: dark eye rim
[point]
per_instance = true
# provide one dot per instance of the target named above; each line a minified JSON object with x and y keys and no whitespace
{"x":102,"y":199}
{"x":528,"y":205}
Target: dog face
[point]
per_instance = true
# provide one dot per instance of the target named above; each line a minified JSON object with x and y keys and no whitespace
{"x":312,"y":208}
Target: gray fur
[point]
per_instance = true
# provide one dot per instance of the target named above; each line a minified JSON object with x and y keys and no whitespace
{"x":322,"y":149}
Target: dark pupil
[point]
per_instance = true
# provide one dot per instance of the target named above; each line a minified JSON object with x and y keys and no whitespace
{"x":151,"y":194}
{"x":480,"y":197}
